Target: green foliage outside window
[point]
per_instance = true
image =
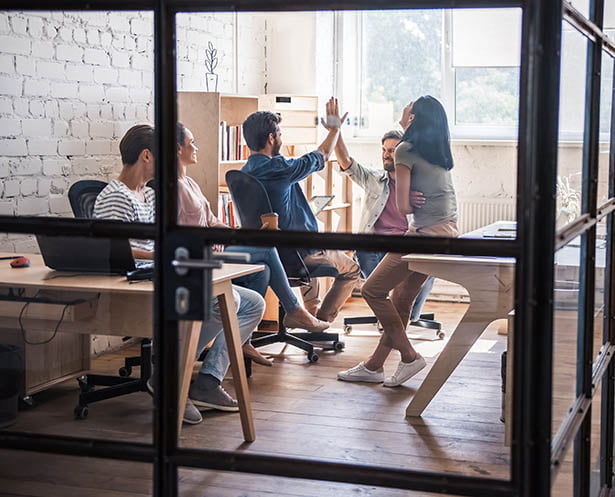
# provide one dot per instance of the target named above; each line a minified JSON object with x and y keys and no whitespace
{"x":402,"y":56}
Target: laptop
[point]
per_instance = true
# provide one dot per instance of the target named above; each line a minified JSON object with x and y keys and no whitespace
{"x":86,"y":255}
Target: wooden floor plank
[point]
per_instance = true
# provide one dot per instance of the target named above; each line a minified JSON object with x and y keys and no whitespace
{"x":300,"y":410}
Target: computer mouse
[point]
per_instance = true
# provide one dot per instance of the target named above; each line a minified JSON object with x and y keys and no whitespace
{"x":20,"y":262}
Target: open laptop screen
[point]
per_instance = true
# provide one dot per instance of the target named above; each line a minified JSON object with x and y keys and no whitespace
{"x":86,"y":255}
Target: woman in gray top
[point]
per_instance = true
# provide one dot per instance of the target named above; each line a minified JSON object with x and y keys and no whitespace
{"x":423,"y":162}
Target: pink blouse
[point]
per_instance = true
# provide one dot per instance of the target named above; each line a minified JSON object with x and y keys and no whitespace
{"x":193,"y":208}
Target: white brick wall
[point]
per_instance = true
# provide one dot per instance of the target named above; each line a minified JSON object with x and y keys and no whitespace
{"x":71,"y":84}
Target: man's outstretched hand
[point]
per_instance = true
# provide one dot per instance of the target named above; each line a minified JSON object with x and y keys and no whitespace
{"x":333,"y":120}
{"x":417,"y":199}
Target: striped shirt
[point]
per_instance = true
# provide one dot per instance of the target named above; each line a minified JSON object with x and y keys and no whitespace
{"x":118,"y":202}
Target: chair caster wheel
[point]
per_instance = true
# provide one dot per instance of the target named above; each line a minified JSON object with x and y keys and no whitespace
{"x":347,"y":329}
{"x":84,"y":386}
{"x":26,"y":402}
{"x":125,"y":371}
{"x":339,"y":345}
{"x":313,"y":357}
{"x":441,"y":335}
{"x":81,"y":412}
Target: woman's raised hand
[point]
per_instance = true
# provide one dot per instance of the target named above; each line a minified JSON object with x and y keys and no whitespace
{"x":333,"y":120}
{"x":406,"y":116}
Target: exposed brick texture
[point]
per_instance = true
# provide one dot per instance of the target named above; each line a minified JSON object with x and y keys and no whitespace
{"x":71,"y":83}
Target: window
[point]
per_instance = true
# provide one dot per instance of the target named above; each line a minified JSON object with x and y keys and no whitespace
{"x":400,"y":58}
{"x":392,"y":57}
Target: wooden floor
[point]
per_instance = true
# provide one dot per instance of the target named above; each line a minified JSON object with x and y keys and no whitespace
{"x":300,"y":410}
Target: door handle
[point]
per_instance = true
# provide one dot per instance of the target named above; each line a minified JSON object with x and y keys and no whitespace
{"x":182,"y":263}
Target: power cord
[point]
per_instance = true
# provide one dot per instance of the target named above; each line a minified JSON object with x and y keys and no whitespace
{"x":55,"y":331}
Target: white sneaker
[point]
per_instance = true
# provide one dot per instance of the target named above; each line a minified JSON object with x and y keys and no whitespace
{"x":361,"y":373}
{"x":405,"y":371}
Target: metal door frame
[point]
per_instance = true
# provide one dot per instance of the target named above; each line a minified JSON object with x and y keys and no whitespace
{"x":531,"y":456}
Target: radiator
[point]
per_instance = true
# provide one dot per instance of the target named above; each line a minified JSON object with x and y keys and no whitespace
{"x":476,"y":212}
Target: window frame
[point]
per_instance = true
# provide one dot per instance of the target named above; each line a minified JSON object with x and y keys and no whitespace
{"x":352,"y":28}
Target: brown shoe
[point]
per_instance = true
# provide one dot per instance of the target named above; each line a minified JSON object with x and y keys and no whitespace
{"x":251,"y":353}
{"x":300,"y":318}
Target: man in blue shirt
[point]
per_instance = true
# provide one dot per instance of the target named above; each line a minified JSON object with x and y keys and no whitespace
{"x":281,"y":178}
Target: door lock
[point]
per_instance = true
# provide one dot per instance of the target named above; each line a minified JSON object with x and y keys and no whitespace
{"x":182,"y":300}
{"x":182,"y":263}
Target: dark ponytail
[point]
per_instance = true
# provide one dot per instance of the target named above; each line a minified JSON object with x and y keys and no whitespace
{"x":429,"y":133}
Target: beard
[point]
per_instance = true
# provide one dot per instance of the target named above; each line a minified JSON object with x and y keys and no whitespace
{"x":276,"y":148}
{"x":389,"y":166}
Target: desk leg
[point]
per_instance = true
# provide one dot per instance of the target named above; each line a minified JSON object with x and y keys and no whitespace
{"x":228,"y":314}
{"x":465,"y":335}
{"x":189,"y":332}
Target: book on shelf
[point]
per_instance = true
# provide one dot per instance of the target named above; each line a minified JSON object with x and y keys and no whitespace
{"x":226,"y":212}
{"x":232,"y":144}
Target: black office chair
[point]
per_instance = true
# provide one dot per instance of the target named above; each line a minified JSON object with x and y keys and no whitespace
{"x":250,"y":200}
{"x":426,"y":320}
{"x":82,"y":197}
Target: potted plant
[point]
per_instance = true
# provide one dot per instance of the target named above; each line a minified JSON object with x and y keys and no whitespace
{"x":568,"y":204}
{"x":211,"y":62}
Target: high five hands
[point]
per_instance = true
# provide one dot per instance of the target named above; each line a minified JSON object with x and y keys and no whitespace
{"x":333,"y":120}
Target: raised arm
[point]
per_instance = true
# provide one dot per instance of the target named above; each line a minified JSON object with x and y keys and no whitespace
{"x":341,"y":152}
{"x":332,"y":124}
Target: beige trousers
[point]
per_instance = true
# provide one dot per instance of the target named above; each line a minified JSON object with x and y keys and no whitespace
{"x":348,"y":274}
{"x":391,"y":289}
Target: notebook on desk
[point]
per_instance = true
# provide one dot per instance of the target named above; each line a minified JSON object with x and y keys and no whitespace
{"x":87,"y":255}
{"x":501,"y":230}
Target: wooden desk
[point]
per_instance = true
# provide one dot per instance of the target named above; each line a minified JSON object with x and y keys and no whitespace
{"x":490,"y":284}
{"x":113,"y":306}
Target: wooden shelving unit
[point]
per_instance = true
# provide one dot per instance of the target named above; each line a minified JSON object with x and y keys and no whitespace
{"x":299,"y":124}
{"x":336,"y":217}
{"x":202,"y":112}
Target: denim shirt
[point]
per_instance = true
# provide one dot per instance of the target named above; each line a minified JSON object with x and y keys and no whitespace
{"x":375,"y":182}
{"x":281,"y":177}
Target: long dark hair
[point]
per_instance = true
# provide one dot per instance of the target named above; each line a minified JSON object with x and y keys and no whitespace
{"x":429,"y":133}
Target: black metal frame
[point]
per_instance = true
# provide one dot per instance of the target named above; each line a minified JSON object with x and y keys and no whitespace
{"x":534,"y":247}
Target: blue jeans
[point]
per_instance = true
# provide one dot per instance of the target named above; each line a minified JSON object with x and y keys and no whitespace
{"x":250,"y":309}
{"x":273,"y":275}
{"x":368,"y":262}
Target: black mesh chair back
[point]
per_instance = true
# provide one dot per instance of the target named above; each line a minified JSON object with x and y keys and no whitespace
{"x":250,"y":198}
{"x":250,"y":201}
{"x":82,"y":196}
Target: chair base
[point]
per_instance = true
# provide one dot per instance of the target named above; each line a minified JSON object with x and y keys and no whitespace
{"x":302,"y":340}
{"x":426,"y":320}
{"x":116,"y":385}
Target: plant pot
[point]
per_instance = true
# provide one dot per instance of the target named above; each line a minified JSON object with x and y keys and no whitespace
{"x":211,"y":81}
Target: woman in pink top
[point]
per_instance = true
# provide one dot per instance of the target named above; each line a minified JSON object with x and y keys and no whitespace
{"x":194,"y":210}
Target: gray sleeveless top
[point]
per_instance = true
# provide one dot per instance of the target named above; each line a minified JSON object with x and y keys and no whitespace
{"x":434,"y":181}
